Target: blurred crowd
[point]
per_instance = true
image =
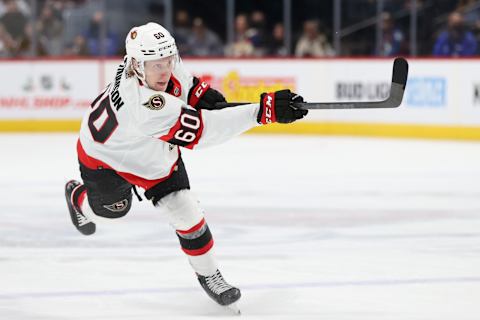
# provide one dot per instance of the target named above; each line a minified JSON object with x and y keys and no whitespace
{"x":252,"y":38}
{"x":46,"y":30}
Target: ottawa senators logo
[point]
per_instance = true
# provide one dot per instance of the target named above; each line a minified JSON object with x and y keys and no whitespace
{"x":156,"y":102}
{"x":117,"y":206}
{"x":133,"y":34}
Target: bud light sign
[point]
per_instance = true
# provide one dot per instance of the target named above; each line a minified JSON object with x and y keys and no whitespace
{"x":427,"y":92}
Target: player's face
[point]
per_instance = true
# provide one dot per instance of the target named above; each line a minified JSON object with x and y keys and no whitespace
{"x":158,"y":72}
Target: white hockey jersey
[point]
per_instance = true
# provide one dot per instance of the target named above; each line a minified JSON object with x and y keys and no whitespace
{"x":137,"y":131}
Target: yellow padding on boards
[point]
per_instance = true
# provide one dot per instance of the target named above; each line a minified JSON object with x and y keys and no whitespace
{"x":39,"y":125}
{"x":306,"y":128}
{"x":373,"y":130}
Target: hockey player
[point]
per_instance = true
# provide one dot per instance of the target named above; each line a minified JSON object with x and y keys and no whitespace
{"x":131,"y":137}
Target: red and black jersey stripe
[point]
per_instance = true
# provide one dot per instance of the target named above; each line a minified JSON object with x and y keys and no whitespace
{"x":187,"y":130}
{"x":95,"y":164}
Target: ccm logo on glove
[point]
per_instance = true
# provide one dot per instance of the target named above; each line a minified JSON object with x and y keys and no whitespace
{"x":279,"y":107}
{"x":269,"y":111}
{"x":200,"y":89}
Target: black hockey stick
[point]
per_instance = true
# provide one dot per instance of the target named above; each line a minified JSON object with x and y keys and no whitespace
{"x":397,"y":88}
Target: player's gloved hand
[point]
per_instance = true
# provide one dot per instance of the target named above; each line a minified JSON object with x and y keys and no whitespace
{"x":210,"y":99}
{"x":278,"y":107}
{"x":201,"y":96}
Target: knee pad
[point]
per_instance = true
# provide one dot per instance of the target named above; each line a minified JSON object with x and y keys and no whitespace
{"x":186,"y":216}
{"x":182,"y":209}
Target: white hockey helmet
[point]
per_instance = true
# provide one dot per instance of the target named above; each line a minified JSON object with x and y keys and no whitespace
{"x":148,"y":42}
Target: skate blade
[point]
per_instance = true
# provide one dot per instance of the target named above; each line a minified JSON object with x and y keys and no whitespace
{"x":234,"y":308}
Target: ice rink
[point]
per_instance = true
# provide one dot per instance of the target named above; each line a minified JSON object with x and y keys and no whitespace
{"x":308,"y":228}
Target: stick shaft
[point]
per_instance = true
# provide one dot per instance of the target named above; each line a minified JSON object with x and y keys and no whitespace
{"x":397,"y":89}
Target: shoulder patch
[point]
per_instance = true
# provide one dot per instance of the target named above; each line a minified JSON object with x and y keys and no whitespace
{"x":174,"y":87}
{"x":156,"y":102}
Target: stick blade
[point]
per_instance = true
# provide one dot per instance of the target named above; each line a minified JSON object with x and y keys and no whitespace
{"x":400,"y":71}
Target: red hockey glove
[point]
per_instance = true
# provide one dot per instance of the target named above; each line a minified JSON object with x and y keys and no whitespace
{"x":277,"y":107}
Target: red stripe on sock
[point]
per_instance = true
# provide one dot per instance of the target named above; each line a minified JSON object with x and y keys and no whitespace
{"x":194,"y":228}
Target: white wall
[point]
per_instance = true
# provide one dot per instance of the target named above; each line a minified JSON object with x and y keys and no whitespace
{"x":47,"y":89}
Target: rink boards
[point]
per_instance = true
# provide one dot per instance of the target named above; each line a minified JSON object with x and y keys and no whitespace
{"x":442,"y":99}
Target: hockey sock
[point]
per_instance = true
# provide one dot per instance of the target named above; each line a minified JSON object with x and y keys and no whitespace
{"x":187,"y":218}
{"x":197,"y":243}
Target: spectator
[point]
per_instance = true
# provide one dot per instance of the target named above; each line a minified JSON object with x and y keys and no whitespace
{"x":469,"y":11}
{"x":50,"y":30}
{"x":94,"y":37}
{"x":6,"y":42}
{"x":471,"y":15}
{"x":242,"y":46}
{"x":456,"y":41}
{"x":58,"y":7}
{"x":312,"y":43}
{"x":202,"y":41}
{"x":257,"y":32}
{"x":24,"y":47}
{"x":22,"y":6}
{"x":393,"y":40}
{"x":277,"y":44}
{"x":78,"y":47}
{"x":14,"y":23}
{"x":182,"y":31}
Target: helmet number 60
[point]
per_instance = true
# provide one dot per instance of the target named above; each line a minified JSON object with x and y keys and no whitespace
{"x":159,"y":35}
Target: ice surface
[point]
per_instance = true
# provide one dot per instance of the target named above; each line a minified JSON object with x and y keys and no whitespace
{"x":307,"y":227}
